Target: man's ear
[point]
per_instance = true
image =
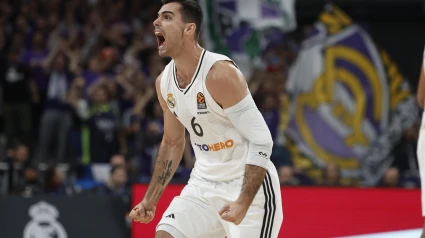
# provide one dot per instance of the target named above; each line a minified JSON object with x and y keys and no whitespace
{"x":190,"y":29}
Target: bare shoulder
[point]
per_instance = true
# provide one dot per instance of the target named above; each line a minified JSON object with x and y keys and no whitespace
{"x":225,"y":72}
{"x":226,"y":83}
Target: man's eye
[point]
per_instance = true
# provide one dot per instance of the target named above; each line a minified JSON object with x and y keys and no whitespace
{"x":167,"y":18}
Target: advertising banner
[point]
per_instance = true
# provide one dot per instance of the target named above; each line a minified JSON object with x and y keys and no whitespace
{"x":324,"y":212}
{"x":62,"y":217}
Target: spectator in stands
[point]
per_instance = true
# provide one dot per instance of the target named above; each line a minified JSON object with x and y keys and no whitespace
{"x":19,"y":92}
{"x":153,"y":128}
{"x":93,"y":74}
{"x":56,"y":120}
{"x":118,"y":160}
{"x":404,"y":152}
{"x":133,"y":121}
{"x":102,"y":134}
{"x":17,"y":159}
{"x":286,"y":176}
{"x":290,"y":176}
{"x":270,"y":104}
{"x":100,"y":71}
{"x":391,"y":178}
{"x":21,"y":154}
{"x":117,"y":184}
{"x":270,"y":110}
{"x":54,"y":183}
{"x":34,"y":55}
{"x":132,"y":53}
{"x":128,"y":85}
{"x":331,"y":175}
{"x":30,"y":185}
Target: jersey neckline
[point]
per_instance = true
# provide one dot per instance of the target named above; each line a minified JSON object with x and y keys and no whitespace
{"x":198,"y":68}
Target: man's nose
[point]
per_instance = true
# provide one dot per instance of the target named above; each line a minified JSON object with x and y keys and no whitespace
{"x":156,"y":23}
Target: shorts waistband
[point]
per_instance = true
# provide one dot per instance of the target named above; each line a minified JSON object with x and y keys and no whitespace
{"x":202,"y":181}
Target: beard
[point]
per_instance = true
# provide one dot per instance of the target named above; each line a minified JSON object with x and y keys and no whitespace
{"x":175,"y":48}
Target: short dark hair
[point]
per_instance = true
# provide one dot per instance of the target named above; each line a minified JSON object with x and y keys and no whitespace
{"x":191,"y":12}
{"x":117,"y":167}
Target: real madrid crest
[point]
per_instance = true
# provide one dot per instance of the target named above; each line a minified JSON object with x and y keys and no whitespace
{"x":171,"y":101}
{"x":44,"y":222}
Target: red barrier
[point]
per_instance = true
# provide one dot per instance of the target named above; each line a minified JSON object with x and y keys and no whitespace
{"x":324,"y":212}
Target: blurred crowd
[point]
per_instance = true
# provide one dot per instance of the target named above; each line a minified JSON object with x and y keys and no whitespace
{"x":79,"y":109}
{"x":77,"y":85}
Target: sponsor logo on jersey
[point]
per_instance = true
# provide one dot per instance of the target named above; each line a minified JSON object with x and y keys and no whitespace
{"x":171,"y":102}
{"x":262,"y":154}
{"x":200,"y":99}
{"x":216,"y":146}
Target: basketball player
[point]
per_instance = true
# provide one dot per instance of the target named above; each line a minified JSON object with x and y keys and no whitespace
{"x":421,"y":140}
{"x":234,"y":188}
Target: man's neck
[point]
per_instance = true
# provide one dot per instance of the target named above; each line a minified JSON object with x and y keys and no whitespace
{"x":186,"y":63}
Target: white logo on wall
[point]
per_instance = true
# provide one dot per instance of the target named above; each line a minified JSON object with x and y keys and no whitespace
{"x":44,"y":223}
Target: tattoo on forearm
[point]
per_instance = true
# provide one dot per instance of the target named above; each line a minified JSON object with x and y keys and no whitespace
{"x":166,"y":173}
{"x":254,"y":176}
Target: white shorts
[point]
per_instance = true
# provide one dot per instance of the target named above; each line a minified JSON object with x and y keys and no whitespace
{"x":421,"y":162}
{"x":195,"y":212}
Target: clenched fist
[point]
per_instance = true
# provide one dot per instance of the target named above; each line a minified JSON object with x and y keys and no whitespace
{"x":234,"y":212}
{"x":143,"y":213}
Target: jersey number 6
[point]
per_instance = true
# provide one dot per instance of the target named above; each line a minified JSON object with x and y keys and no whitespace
{"x":197,"y":128}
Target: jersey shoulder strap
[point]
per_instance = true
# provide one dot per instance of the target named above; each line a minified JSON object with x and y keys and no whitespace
{"x":212,"y":58}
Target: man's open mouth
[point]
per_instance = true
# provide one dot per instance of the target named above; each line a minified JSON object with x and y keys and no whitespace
{"x":161,"y":39}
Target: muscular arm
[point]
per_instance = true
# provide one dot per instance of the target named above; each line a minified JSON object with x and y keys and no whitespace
{"x":254,"y":176}
{"x":421,"y":88}
{"x":227,"y":86}
{"x":169,"y":154}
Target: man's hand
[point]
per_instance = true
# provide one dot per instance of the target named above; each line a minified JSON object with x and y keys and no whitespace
{"x":142,"y":213}
{"x":234,"y":212}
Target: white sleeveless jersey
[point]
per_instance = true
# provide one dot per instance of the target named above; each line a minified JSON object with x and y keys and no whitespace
{"x":220,"y":150}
